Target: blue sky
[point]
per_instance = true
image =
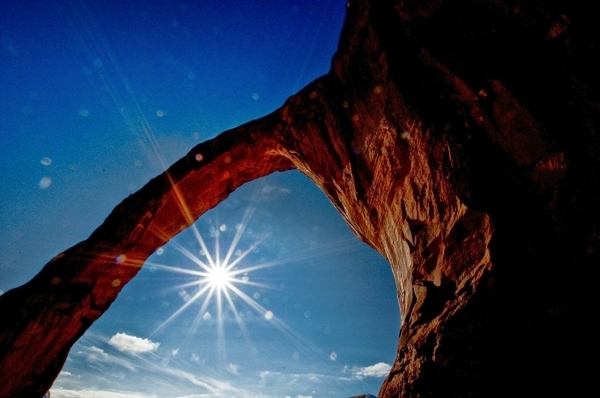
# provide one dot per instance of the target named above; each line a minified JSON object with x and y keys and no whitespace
{"x":99,"y":97}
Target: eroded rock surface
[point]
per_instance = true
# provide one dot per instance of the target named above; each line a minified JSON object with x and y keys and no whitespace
{"x":459,"y":139}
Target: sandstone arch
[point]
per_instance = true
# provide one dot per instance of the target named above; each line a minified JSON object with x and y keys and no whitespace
{"x":459,"y":139}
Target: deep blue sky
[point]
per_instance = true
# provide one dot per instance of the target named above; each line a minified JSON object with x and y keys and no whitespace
{"x":97,"y":97}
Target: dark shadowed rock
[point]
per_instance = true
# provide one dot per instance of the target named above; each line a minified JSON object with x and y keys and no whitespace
{"x":458,"y":139}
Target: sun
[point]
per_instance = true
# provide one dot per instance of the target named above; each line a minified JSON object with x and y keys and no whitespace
{"x":218,"y":277}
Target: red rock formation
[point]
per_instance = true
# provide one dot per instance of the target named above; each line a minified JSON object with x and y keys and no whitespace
{"x":459,"y":139}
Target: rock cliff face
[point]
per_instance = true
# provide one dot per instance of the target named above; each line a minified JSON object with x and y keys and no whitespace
{"x":459,"y":139}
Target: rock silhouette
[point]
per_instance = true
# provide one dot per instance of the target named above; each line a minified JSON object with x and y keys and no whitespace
{"x":458,"y":139}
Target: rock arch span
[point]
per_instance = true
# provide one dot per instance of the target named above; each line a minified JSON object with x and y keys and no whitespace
{"x":459,"y":139}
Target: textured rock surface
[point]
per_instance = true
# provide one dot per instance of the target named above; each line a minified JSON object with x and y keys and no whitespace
{"x":459,"y":139}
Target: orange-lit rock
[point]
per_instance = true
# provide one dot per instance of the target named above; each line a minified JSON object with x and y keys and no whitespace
{"x":459,"y":139}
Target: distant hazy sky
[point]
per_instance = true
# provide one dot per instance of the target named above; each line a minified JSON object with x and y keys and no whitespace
{"x":96,"y":98}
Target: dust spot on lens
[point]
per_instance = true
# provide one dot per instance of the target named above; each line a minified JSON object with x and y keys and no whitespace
{"x":45,"y":182}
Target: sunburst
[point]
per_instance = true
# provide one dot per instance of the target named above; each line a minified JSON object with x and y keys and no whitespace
{"x":221,"y":277}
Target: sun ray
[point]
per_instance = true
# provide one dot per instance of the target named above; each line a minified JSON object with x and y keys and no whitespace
{"x":239,"y":233}
{"x":245,"y":253}
{"x":236,"y":314}
{"x":179,"y":270}
{"x":205,"y":250}
{"x":217,"y":253}
{"x":278,"y":323}
{"x":202,"y":311}
{"x":182,"y":308}
{"x":207,"y":267}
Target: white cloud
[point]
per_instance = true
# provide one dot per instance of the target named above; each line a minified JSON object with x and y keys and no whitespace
{"x":196,"y":396}
{"x":213,"y":386}
{"x":150,"y":378}
{"x":271,"y":189}
{"x":132,"y":344}
{"x":380,"y":369}
{"x":65,"y":373}
{"x":67,"y":393}
{"x":233,"y":369}
{"x":97,"y":355}
{"x":267,"y":373}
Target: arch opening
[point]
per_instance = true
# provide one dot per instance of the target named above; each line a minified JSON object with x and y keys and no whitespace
{"x":310,"y":311}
